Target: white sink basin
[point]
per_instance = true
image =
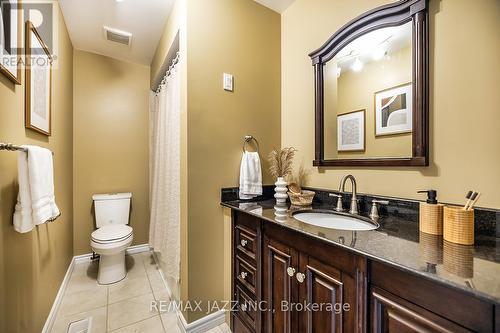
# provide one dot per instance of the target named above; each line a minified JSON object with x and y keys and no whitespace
{"x":335,"y":221}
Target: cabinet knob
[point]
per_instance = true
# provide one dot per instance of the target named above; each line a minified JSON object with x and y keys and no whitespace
{"x":243,"y":275}
{"x":243,"y":307}
{"x":290,"y":271}
{"x":244,"y":242}
{"x":300,"y":277}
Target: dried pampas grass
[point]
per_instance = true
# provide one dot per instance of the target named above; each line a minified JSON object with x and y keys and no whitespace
{"x":281,"y":162}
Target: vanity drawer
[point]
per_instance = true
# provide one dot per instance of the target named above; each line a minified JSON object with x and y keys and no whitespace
{"x":246,"y":306}
{"x":246,"y":274}
{"x":246,"y":241}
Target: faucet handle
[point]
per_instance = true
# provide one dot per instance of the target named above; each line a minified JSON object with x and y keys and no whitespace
{"x":339,"y":207}
{"x":374,"y":212}
{"x":380,"y":202}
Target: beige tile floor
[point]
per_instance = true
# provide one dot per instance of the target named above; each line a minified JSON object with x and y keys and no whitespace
{"x":122,"y":307}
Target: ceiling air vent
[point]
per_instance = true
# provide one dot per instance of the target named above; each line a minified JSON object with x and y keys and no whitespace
{"x":117,"y":36}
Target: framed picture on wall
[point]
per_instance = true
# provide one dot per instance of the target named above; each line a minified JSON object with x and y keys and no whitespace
{"x":11,"y":39}
{"x":351,"y":131}
{"x":393,"y":110}
{"x":38,"y":82}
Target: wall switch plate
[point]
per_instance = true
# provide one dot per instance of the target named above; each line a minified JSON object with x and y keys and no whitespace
{"x":228,"y":82}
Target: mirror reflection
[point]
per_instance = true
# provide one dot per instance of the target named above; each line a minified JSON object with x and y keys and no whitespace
{"x":368,"y":96}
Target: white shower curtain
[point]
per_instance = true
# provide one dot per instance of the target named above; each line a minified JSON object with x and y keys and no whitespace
{"x":164,"y":234}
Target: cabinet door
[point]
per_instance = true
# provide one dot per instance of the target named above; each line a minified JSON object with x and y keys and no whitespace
{"x":322,"y":291}
{"x":279,"y":288}
{"x":390,"y":313}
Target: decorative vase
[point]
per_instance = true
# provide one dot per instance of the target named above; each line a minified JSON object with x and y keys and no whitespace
{"x":281,"y":212}
{"x":280,"y":191}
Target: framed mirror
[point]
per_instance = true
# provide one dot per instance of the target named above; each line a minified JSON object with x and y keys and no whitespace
{"x":371,"y":90}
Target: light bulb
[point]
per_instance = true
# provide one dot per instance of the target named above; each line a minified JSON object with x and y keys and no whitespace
{"x":357,"y":66}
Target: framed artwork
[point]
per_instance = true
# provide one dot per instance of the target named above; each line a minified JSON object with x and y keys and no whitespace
{"x":351,"y":131}
{"x":38,"y":82}
{"x":393,"y":110}
{"x":11,"y":39}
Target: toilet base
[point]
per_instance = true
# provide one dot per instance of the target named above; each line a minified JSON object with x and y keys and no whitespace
{"x":111,"y":268}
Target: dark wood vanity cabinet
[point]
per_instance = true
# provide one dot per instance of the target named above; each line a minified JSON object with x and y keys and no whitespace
{"x":310,"y":286}
{"x":390,"y":313}
{"x":403,"y":302}
{"x":277,"y":272}
{"x":319,"y":276}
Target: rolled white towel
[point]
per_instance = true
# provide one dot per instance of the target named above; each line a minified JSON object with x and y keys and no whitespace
{"x":250,"y":176}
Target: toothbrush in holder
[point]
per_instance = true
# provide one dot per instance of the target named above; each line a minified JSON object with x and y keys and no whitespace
{"x":468,"y":197}
{"x":474,"y":200}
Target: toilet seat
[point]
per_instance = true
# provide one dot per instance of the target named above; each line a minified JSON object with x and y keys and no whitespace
{"x":113,"y":233}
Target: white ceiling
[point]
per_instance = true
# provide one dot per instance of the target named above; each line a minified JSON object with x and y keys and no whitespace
{"x":144,"y":19}
{"x":276,"y":5}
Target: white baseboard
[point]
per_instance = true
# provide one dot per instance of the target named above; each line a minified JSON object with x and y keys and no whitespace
{"x":130,"y":250}
{"x":55,"y":306}
{"x":138,"y":248}
{"x":77,"y":260}
{"x":203,"y":324}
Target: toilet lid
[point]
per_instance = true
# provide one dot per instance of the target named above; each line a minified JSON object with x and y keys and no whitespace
{"x":113,"y":232}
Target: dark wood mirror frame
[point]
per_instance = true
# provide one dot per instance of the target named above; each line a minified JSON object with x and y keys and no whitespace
{"x":393,"y":14}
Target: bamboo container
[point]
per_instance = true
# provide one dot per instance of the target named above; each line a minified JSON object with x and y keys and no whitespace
{"x":458,"y":226}
{"x":431,"y":218}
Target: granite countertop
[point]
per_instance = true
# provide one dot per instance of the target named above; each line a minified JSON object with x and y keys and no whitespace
{"x":398,"y":242}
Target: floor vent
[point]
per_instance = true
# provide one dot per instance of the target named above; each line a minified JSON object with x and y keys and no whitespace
{"x":81,"y":326}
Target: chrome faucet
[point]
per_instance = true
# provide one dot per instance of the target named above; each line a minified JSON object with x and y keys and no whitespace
{"x":354,"y":199}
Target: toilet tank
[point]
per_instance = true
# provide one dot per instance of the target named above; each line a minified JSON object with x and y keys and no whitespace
{"x":111,"y":208}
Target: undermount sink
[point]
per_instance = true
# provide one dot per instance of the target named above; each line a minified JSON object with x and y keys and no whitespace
{"x":334,"y":220}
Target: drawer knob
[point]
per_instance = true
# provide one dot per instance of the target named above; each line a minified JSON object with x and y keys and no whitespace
{"x":290,"y":271}
{"x":244,"y":242}
{"x":300,"y":277}
{"x":243,"y":275}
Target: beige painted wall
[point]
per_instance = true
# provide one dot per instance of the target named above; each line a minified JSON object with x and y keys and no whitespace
{"x":32,"y":265}
{"x":356,"y":91}
{"x":247,"y":45}
{"x":464,"y":98}
{"x":110,"y":127}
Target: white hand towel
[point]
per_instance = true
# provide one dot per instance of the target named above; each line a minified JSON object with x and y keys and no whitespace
{"x":250,"y":176}
{"x":35,"y":201}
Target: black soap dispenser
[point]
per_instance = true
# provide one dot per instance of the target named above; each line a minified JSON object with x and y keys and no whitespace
{"x":431,"y":196}
{"x":431,"y":214}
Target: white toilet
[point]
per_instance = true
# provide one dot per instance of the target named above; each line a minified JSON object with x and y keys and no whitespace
{"x":113,"y":235}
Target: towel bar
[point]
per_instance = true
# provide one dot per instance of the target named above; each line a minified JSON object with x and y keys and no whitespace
{"x":11,"y":147}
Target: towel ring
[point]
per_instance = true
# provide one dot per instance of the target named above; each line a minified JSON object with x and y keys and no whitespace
{"x":247,"y":139}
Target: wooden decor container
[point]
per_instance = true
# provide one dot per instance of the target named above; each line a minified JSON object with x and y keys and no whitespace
{"x":458,"y":226}
{"x":303,"y":199}
{"x":431,"y":218}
